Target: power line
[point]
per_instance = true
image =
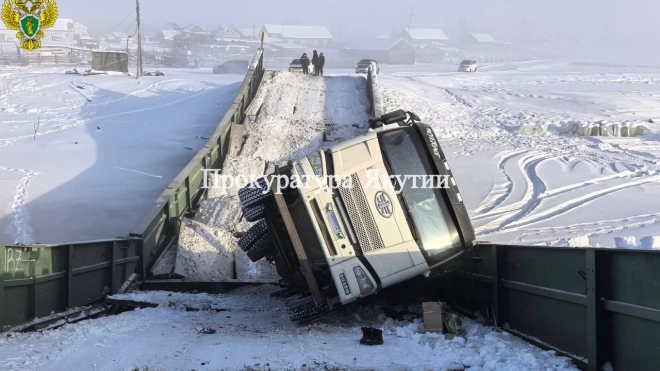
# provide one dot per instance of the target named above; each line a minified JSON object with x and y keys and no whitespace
{"x":119,"y":24}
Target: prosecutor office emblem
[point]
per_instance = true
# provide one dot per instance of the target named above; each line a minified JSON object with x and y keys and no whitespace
{"x":29,"y":18}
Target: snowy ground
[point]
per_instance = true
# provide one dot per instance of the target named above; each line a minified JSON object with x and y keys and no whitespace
{"x":253,"y":333}
{"x":102,"y":154}
{"x":557,"y":189}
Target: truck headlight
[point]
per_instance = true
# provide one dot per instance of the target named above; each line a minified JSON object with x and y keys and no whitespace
{"x":366,"y":287}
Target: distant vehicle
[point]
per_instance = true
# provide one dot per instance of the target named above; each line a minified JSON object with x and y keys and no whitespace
{"x":296,"y":66}
{"x":237,"y":67}
{"x":363,"y":66}
{"x":468,"y":65}
{"x":154,"y":73}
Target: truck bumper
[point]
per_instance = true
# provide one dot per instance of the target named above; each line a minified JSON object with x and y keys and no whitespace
{"x":345,"y":277}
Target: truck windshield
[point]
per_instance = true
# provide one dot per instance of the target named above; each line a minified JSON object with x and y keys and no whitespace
{"x":430,"y":215}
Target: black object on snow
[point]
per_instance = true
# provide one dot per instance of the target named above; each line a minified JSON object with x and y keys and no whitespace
{"x":371,"y":336}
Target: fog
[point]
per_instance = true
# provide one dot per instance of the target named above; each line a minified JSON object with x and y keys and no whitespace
{"x":628,"y":26}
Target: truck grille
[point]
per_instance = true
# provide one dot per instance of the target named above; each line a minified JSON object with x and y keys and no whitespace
{"x":358,"y":210}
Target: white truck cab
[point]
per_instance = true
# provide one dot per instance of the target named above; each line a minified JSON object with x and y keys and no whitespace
{"x":368,"y":213}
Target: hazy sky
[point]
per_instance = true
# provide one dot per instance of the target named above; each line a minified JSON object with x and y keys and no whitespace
{"x":630,"y":19}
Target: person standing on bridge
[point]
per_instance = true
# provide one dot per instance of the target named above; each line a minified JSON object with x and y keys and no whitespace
{"x":320,"y":64}
{"x":304,"y":61}
{"x":315,"y":63}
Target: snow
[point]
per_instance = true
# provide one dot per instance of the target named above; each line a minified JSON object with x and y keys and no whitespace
{"x":288,"y":119}
{"x":298,"y":32}
{"x":252,"y":332}
{"x":543,"y":189}
{"x":427,"y":34}
{"x":105,"y":148}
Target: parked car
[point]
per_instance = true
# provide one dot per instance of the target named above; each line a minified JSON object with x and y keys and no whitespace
{"x":363,"y":66}
{"x":468,"y":65}
{"x":236,"y":67}
{"x":296,"y":66}
{"x":340,"y":236}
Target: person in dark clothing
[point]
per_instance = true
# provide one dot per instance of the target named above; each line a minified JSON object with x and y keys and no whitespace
{"x":315,"y":62}
{"x":304,"y":60}
{"x":321,"y":64}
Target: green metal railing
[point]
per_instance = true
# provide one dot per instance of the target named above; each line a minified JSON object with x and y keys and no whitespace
{"x":36,"y":281}
{"x":596,"y":305}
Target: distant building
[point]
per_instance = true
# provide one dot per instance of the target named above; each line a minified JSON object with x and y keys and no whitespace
{"x":310,"y":36}
{"x":482,"y":38}
{"x":249,"y":33}
{"x":387,"y":51}
{"x":116,"y":37}
{"x":227,"y":34}
{"x":194,"y":28}
{"x":62,"y":31}
{"x":426,"y":36}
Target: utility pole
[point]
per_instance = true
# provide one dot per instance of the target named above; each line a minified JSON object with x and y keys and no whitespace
{"x":139,"y":46}
{"x":410,"y":17}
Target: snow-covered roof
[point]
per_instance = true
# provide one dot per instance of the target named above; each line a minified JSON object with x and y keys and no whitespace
{"x":62,"y":24}
{"x":373,"y":43}
{"x":172,"y":26}
{"x":434,"y":34}
{"x":170,"y":34}
{"x":227,"y":32}
{"x":193,"y":28}
{"x":483,"y":38}
{"x":79,"y":26}
{"x":299,"y":32}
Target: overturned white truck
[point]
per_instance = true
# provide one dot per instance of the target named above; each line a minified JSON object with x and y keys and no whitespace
{"x":364,"y":215}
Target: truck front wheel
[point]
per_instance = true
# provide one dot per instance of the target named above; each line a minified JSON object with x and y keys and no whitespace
{"x":253,"y":235}
{"x":260,"y":248}
{"x":254,"y":195}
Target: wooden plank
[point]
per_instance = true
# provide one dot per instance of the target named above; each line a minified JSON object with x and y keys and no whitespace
{"x":305,"y":267}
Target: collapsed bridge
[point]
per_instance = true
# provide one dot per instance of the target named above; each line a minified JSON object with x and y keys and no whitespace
{"x":593,"y":305}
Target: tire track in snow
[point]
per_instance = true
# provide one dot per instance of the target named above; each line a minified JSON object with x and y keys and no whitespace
{"x":23,"y":233}
{"x":530,"y":200}
{"x":575,"y":203}
{"x":499,"y":192}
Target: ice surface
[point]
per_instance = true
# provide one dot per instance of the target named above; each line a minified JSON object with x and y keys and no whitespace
{"x":104,"y":150}
{"x":550,"y":187}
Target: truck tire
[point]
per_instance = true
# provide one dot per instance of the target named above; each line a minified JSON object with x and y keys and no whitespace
{"x":305,"y":309}
{"x":253,"y":214}
{"x":252,"y":235}
{"x":260,"y":248}
{"x":253,"y":195}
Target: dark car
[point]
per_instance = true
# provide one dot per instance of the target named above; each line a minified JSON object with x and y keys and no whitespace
{"x":232,"y":67}
{"x":363,"y":66}
{"x":296,"y":66}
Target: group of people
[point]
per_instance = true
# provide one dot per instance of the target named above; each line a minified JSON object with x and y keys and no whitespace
{"x":318,"y":61}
